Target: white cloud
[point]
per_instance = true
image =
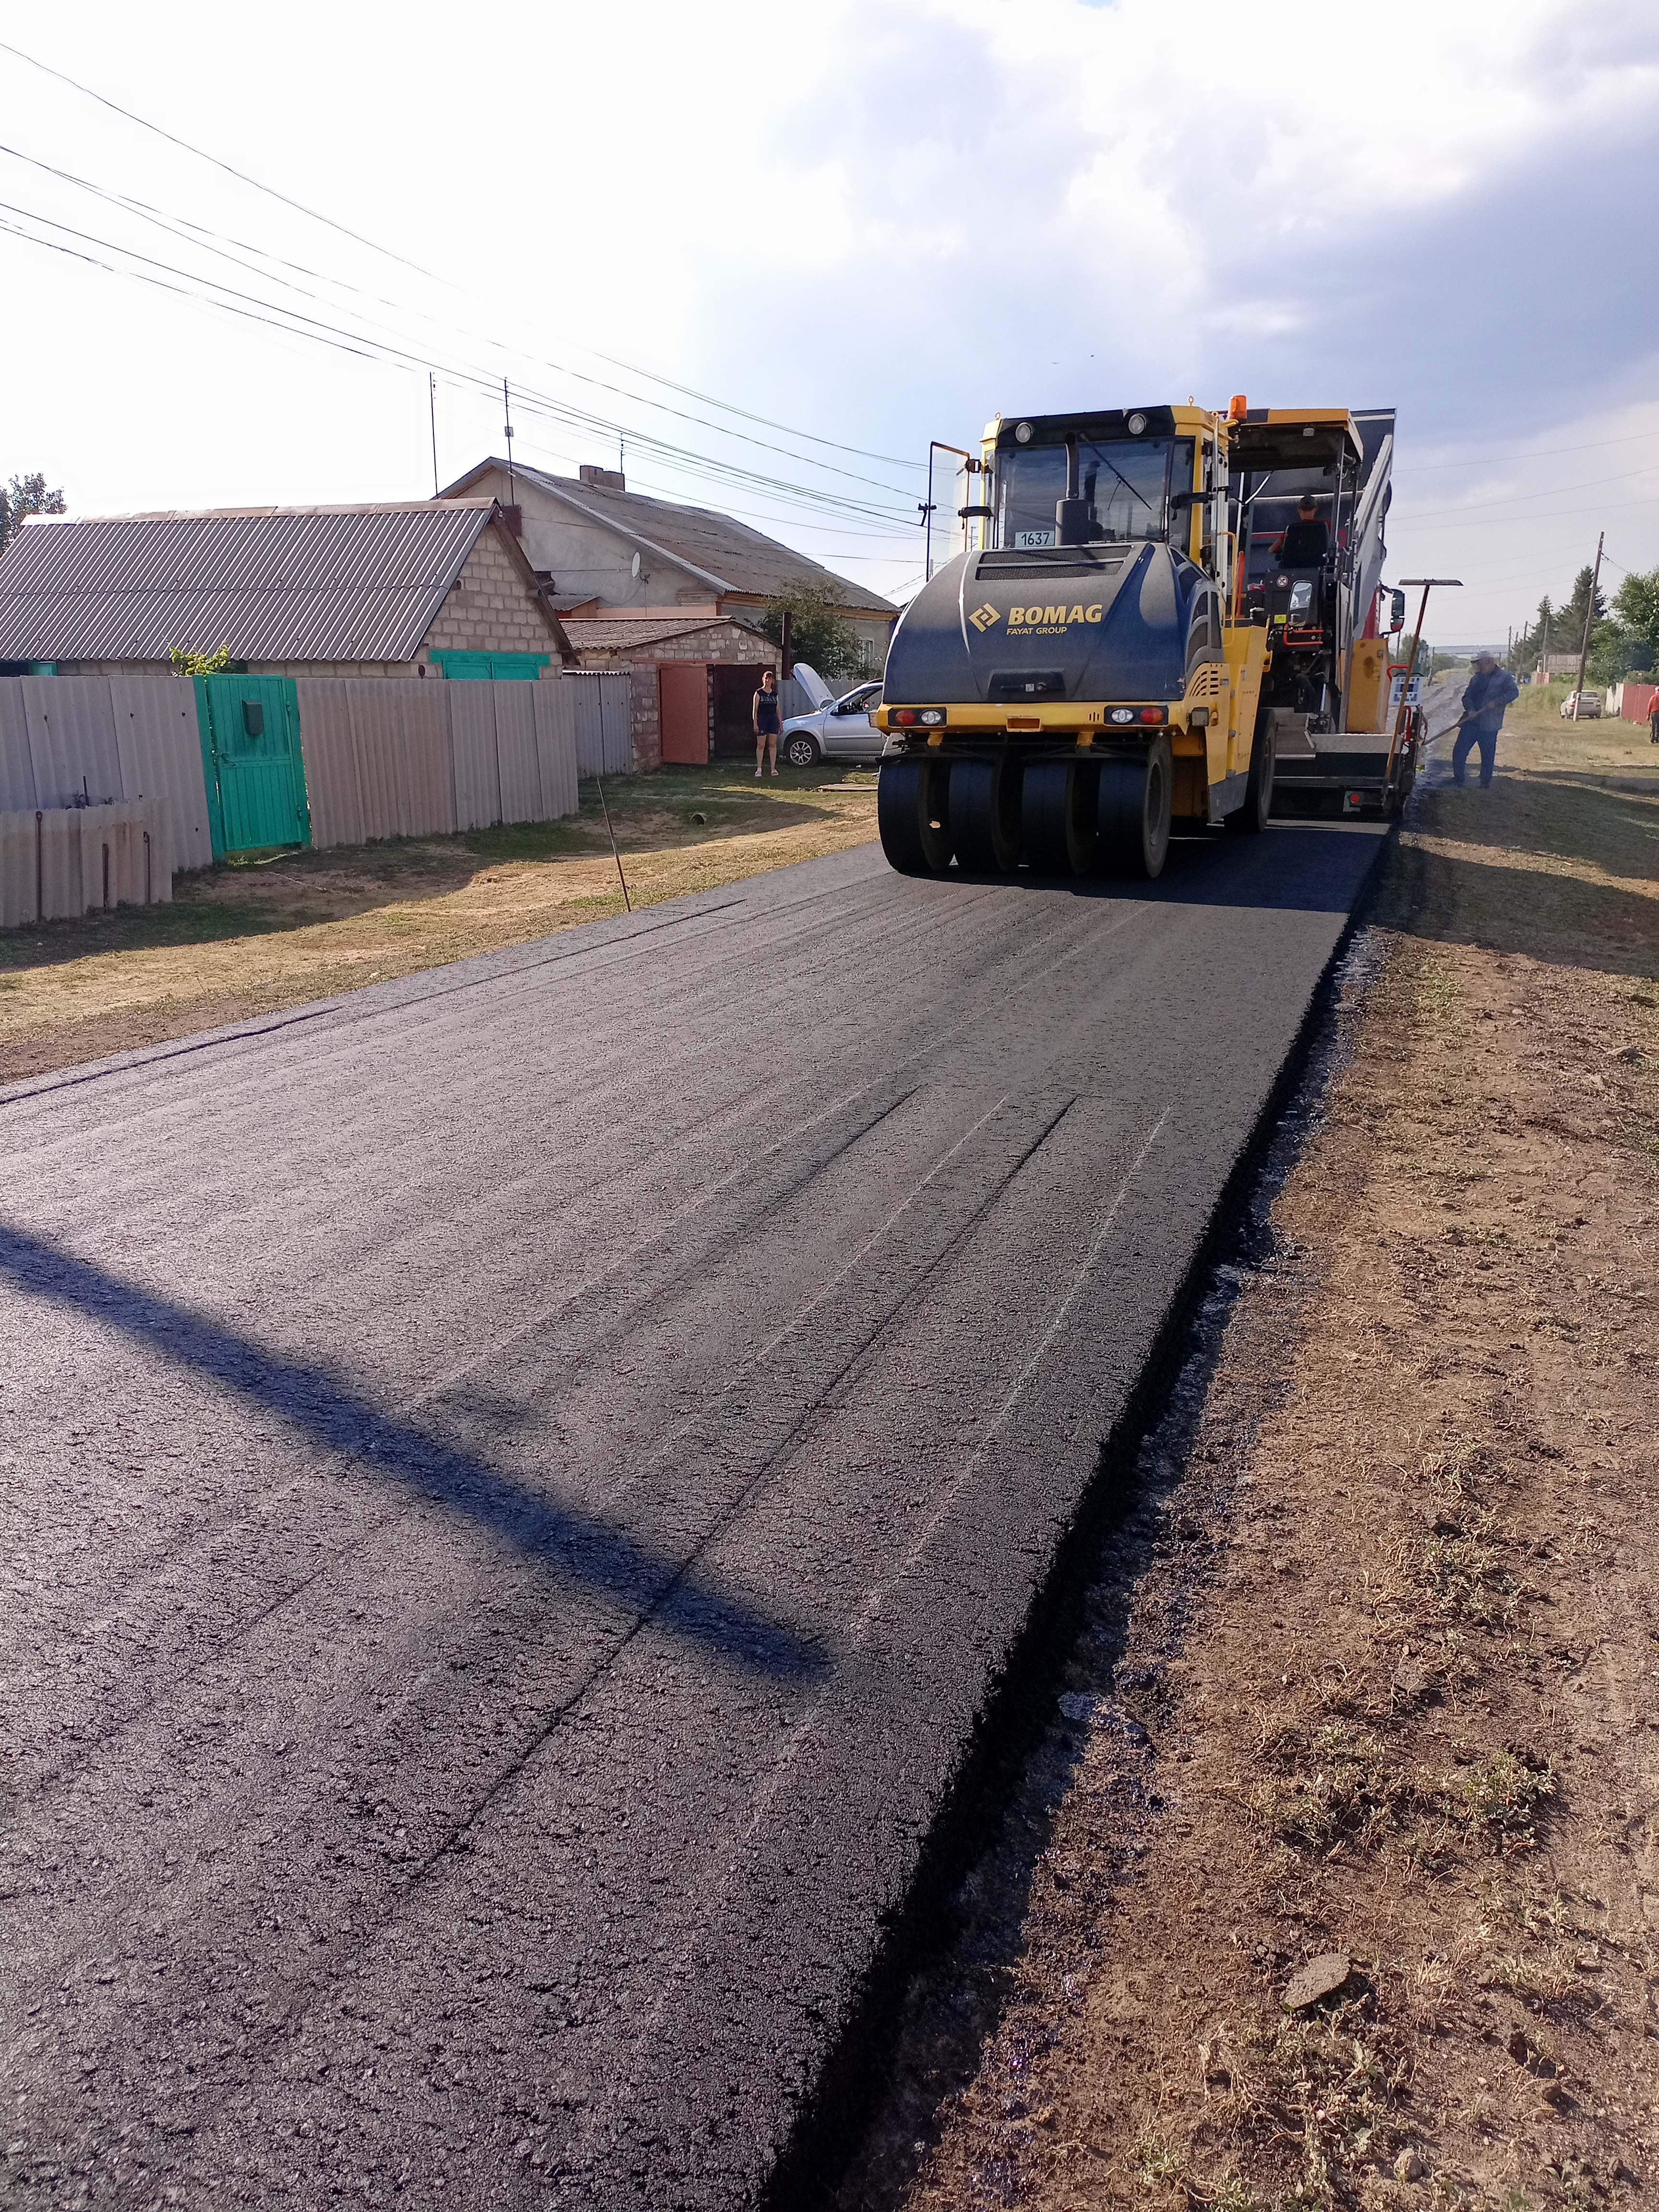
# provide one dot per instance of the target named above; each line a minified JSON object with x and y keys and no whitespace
{"x":879,"y":220}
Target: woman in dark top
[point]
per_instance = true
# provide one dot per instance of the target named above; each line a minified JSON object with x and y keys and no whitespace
{"x":768,"y":723}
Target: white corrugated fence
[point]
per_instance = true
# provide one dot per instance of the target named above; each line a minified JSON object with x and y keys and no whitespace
{"x":384,"y":757}
{"x":102,"y":738}
{"x":60,"y":860}
{"x":604,"y":716}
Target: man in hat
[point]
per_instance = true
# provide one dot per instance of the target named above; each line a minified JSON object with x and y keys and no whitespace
{"x":1307,"y":541}
{"x":1490,"y":691}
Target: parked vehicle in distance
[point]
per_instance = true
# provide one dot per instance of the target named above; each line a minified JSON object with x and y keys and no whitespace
{"x":1589,"y":707}
{"x":839,"y":729}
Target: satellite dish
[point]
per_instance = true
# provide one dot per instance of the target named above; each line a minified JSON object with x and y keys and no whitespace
{"x":634,"y":568}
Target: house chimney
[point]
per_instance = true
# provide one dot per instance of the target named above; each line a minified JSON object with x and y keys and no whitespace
{"x":513,"y":516}
{"x":602,"y":479}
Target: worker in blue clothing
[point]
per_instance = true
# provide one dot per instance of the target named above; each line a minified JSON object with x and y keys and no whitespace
{"x":1490,"y":691}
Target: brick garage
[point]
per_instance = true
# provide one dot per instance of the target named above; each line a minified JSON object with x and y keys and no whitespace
{"x":667,"y":656}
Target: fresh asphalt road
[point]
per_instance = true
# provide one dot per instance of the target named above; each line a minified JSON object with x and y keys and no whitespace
{"x":518,"y":1482}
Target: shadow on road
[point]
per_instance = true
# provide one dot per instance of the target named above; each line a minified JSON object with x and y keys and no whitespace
{"x":584,"y":1547}
{"x":1293,"y":867}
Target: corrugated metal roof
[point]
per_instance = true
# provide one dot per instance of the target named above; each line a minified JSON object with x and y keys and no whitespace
{"x":725,"y":551}
{"x":610,"y":630}
{"x":343,"y":583}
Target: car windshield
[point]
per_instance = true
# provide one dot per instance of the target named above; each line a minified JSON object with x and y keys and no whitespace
{"x":1125,"y":483}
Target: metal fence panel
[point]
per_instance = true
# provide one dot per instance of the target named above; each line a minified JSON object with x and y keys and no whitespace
{"x":586,"y":716}
{"x":556,"y":743}
{"x":334,"y":774}
{"x":113,"y":871}
{"x":515,"y":753}
{"x":59,"y":860}
{"x":381,"y":742}
{"x":72,"y":733}
{"x":426,"y":760}
{"x":158,"y":741}
{"x":477,"y":773}
{"x":16,"y":762}
{"x":378,"y":758}
{"x":16,"y":868}
{"x":617,"y":723}
{"x":119,"y":738}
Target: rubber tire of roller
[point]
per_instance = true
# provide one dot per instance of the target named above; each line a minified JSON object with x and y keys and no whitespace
{"x":1135,"y":795}
{"x":985,"y":803}
{"x":1249,"y":819}
{"x":1057,"y":802}
{"x":911,"y":797}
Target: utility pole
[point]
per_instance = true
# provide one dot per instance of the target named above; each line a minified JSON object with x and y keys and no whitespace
{"x":506,"y":407}
{"x":1589,"y":624}
{"x":431,"y":401}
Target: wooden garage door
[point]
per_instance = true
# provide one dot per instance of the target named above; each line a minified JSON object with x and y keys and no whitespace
{"x":684,"y":708}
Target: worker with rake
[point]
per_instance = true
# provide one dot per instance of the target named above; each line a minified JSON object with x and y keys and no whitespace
{"x":1490,"y":691}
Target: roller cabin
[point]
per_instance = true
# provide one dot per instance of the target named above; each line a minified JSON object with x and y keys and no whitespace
{"x":1153,"y":632}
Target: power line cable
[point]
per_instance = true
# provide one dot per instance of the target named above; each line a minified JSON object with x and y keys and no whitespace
{"x":1509,"y":521}
{"x":201,"y":237}
{"x":1553,"y":491}
{"x":241,"y":175}
{"x":1538,"y":453}
{"x":358,"y":238}
{"x":281,"y":317}
{"x":689,"y":392}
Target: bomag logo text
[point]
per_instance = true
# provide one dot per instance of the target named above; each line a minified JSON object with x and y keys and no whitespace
{"x":982,"y":617}
{"x":1049,"y":621}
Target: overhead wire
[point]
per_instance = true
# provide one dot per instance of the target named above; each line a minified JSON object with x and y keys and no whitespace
{"x":213,"y":292}
{"x":256,"y":185}
{"x":1509,"y":521}
{"x":241,"y":175}
{"x":202,"y":240}
{"x":1537,"y":454}
{"x":1553,"y":491}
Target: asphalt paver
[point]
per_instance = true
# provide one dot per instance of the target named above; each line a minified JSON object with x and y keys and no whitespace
{"x":519,"y":1483}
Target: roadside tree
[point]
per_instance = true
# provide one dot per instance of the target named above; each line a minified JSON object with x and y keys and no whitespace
{"x":22,"y":497}
{"x":1636,"y":609}
{"x":819,"y":632}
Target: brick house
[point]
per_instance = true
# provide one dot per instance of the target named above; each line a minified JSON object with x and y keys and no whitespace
{"x":694,"y":674}
{"x":602,"y":551}
{"x":425,"y":588}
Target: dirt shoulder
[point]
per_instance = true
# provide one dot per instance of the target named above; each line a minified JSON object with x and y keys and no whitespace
{"x":252,"y":938}
{"x":1369,"y":1674}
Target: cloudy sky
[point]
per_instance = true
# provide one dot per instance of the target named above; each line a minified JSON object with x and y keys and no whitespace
{"x":770,"y":252}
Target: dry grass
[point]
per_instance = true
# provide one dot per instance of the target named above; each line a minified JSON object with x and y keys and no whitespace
{"x":281,"y":928}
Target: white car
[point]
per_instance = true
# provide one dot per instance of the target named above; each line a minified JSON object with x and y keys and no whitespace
{"x":1589,"y":707}
{"x":839,"y":729}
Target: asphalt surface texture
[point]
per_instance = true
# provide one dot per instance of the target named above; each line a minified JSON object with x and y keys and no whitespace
{"x":519,"y":1485}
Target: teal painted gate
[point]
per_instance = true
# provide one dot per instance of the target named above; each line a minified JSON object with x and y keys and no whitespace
{"x":251,"y":757}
